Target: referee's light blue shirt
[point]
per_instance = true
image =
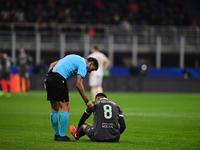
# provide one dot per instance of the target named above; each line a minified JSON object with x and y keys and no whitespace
{"x":70,"y":66}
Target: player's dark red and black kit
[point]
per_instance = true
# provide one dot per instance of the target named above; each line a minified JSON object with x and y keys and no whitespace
{"x":23,"y":61}
{"x":5,"y":64}
{"x":107,"y":118}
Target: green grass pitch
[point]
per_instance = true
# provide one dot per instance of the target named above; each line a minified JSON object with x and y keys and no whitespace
{"x":158,"y":121}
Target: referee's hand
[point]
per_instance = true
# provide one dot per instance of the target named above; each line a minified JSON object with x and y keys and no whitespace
{"x":90,"y":104}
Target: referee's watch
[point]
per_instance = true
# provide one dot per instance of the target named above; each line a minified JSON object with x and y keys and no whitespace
{"x":86,"y":101}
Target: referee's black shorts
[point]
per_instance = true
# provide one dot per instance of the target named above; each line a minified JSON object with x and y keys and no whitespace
{"x":56,"y":87}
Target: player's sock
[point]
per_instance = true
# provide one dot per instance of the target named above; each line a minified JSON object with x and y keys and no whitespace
{"x":8,"y":87}
{"x":64,"y":116}
{"x":54,"y":121}
{"x":94,"y":92}
{"x":80,"y":133}
{"x":99,"y":89}
{"x":0,"y":87}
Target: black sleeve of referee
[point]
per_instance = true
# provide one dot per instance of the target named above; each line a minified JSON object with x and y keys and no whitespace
{"x":122,"y":124}
{"x":84,"y":117}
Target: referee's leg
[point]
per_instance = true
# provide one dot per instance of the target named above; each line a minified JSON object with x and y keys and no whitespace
{"x":54,"y":116}
{"x":64,"y":117}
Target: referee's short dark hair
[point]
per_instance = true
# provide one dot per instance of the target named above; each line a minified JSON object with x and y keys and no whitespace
{"x":94,"y":60}
{"x":100,"y":95}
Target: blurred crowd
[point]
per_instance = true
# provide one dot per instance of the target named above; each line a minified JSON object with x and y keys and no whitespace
{"x":133,"y":12}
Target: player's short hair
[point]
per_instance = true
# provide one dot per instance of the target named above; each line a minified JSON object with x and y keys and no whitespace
{"x":94,"y":60}
{"x":100,"y":95}
{"x":2,"y":51}
{"x":96,"y":47}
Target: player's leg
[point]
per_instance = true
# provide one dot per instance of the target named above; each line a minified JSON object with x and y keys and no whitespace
{"x":73,"y":131}
{"x":93,"y":84}
{"x":93,"y":92}
{"x":79,"y":132}
{"x":21,"y":83}
{"x":99,"y":89}
{"x":21,"y":75}
{"x":27,"y":84}
{"x":8,"y":88}
{"x":88,"y":130}
{"x":1,"y":91}
{"x":8,"y":85}
{"x":99,"y":85}
{"x":27,"y":81}
{"x":83,"y":126}
{"x":7,"y":78}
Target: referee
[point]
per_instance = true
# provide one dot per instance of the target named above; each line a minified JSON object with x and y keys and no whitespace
{"x":57,"y":92}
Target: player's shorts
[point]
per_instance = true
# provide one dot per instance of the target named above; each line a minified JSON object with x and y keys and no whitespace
{"x":5,"y":75}
{"x":23,"y":73}
{"x":56,"y":87}
{"x":89,"y":131}
{"x":95,"y":80}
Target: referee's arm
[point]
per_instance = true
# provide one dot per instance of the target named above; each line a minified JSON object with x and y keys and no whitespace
{"x":81,"y":90}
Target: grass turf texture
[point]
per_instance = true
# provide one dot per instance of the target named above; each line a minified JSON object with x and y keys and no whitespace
{"x":154,"y":121}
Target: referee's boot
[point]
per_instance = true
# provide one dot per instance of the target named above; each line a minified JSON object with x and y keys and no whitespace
{"x":56,"y":137}
{"x":64,"y":138}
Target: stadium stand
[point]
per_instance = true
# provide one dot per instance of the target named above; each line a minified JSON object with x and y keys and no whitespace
{"x":124,"y":12}
{"x":135,"y":12}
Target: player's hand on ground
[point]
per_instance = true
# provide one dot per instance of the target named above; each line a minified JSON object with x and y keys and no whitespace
{"x":90,"y":105}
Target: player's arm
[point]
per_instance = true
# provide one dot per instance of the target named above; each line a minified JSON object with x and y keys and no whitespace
{"x":84,"y":117}
{"x":121,"y":121}
{"x":81,"y":90}
{"x":122,"y":124}
{"x":3,"y":62}
{"x":106,"y":64}
{"x":30,"y":60}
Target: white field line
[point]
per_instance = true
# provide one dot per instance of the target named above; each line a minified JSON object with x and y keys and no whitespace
{"x":150,"y":114}
{"x":187,"y":115}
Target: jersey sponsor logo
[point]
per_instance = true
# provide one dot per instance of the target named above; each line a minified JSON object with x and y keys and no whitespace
{"x":107,"y":125}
